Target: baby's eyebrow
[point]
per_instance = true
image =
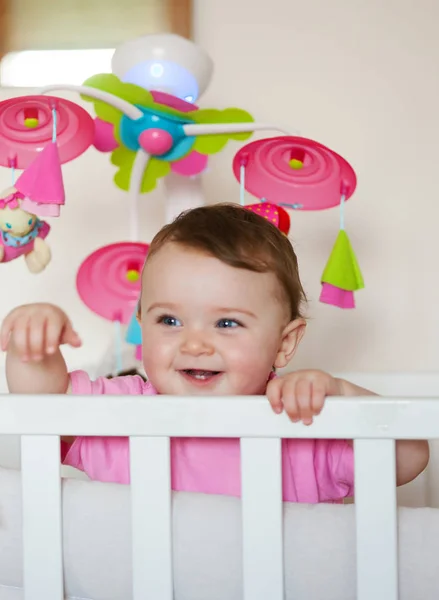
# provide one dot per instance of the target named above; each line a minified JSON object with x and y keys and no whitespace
{"x":241,"y":311}
{"x":165,"y":305}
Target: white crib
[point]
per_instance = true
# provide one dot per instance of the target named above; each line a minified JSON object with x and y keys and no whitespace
{"x":374,"y":424}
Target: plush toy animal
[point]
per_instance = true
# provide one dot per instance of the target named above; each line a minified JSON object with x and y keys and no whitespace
{"x":22,"y":233}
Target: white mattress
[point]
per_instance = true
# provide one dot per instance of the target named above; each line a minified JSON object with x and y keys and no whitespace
{"x":319,"y":546}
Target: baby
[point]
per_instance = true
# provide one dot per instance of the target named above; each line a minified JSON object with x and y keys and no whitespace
{"x":220,"y":310}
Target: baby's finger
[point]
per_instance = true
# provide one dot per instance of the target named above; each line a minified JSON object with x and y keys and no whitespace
{"x":6,"y":329}
{"x":36,"y":337}
{"x":69,"y":336}
{"x":274,"y":392}
{"x":318,"y":397}
{"x":19,"y":337}
{"x":303,"y":399}
{"x":53,"y":334}
{"x":289,"y":400}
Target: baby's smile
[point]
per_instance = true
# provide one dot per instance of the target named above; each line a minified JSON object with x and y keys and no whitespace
{"x":200,"y":376}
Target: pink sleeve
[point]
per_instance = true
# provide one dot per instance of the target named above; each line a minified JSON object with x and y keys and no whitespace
{"x":102,"y":458}
{"x":334,"y":469}
{"x":131,"y":385}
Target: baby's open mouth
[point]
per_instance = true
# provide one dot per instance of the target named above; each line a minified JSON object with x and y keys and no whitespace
{"x":200,"y":374}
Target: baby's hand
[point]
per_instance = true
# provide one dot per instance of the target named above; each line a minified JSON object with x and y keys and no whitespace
{"x":302,"y":394}
{"x":34,"y":331}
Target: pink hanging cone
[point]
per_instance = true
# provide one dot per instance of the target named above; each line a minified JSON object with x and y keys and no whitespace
{"x":336,"y":296}
{"x":42,"y":184}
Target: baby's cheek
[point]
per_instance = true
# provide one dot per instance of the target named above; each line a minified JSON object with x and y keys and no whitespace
{"x":156,"y":352}
{"x":149,"y":357}
{"x":251,"y":362}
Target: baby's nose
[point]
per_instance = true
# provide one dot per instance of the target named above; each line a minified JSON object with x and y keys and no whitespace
{"x":196,"y":344}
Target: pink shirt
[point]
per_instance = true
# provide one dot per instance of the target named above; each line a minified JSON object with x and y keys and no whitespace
{"x":313,"y":470}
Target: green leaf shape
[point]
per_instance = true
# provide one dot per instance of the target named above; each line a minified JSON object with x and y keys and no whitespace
{"x":342,"y":269}
{"x":111,"y":84}
{"x":129,"y":92}
{"x":124,"y":159}
{"x":210,"y":144}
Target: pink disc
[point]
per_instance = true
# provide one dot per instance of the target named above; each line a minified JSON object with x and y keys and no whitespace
{"x":20,"y":144}
{"x":296,"y":172}
{"x":106,"y":280}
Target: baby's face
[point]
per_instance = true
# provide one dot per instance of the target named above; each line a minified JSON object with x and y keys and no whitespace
{"x":208,"y":328}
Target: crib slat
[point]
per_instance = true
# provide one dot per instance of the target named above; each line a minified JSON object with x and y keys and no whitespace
{"x":42,"y":520}
{"x":376,"y":520}
{"x":151,"y":518}
{"x":262,"y":519}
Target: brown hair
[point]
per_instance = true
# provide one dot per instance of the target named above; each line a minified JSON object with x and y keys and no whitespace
{"x":240,"y":238}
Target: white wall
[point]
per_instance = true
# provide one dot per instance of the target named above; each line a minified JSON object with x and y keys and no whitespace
{"x":361,"y":77}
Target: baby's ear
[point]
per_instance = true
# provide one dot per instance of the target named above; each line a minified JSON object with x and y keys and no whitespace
{"x":291,"y":337}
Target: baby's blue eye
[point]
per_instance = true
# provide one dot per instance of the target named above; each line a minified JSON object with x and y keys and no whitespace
{"x":30,"y":222}
{"x":8,"y":225}
{"x":170,"y":321}
{"x":227,"y":324}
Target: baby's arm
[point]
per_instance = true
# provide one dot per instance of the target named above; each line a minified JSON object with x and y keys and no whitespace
{"x":302,"y":395}
{"x":412,"y":456}
{"x":31,"y":335}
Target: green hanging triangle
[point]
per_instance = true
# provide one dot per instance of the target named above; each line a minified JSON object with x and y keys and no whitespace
{"x":342,"y":268}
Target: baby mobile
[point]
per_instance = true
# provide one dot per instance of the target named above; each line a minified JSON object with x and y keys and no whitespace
{"x":150,"y":134}
{"x":144,"y":149}
{"x":147,"y":119}
{"x":37,"y":134}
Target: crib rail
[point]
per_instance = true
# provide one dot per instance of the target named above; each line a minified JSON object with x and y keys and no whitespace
{"x":374,"y":423}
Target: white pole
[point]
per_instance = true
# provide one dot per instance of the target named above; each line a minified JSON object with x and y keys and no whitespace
{"x":139,"y":166}
{"x":182,"y":193}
